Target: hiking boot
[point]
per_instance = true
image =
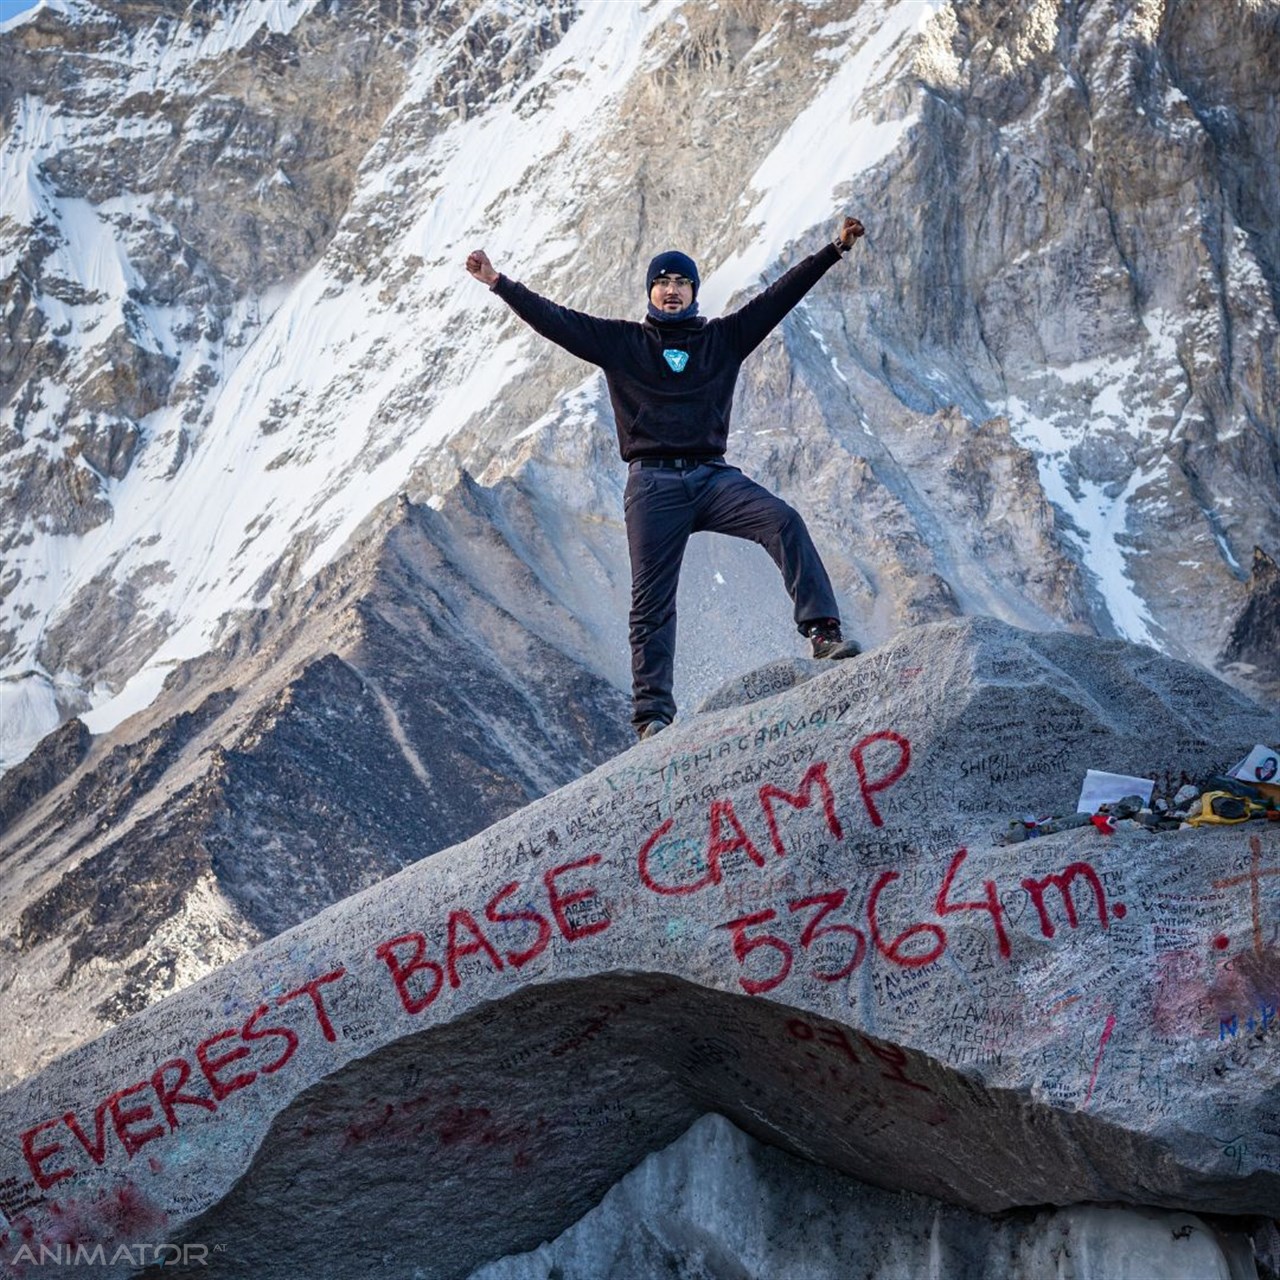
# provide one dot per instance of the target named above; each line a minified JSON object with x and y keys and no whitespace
{"x":650,"y":727}
{"x":827,"y":642}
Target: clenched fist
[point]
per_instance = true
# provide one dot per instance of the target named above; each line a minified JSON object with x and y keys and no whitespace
{"x":479,"y":266}
{"x":847,"y":232}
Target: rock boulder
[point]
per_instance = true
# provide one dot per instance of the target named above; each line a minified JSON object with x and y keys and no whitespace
{"x":787,"y":909}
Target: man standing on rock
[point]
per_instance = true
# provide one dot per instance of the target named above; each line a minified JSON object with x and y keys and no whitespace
{"x":671,"y":381}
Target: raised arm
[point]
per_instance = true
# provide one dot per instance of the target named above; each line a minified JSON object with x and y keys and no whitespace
{"x":587,"y":337}
{"x":752,"y":323}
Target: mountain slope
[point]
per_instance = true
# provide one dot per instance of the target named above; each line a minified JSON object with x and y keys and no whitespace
{"x":275,"y":782}
{"x":237,"y":318}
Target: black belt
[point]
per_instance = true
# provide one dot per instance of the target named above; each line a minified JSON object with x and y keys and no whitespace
{"x":671,"y":464}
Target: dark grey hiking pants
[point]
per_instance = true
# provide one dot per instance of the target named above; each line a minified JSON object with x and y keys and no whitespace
{"x":663,"y":507}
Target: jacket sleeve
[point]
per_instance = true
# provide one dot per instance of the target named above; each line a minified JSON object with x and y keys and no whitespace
{"x":587,"y":337}
{"x":750,"y":325}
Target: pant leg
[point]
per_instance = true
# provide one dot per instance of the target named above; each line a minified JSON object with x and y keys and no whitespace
{"x":734,"y":504}
{"x":659,"y":518}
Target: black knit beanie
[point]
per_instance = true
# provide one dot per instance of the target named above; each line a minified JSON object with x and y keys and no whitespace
{"x":673,"y":262}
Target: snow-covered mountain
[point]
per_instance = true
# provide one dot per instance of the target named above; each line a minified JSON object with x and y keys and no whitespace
{"x":305,"y":527}
{"x":235,"y":318}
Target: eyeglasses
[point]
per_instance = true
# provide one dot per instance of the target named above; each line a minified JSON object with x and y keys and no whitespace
{"x":680,"y":282}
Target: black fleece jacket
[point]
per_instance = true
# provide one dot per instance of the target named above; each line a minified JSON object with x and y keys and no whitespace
{"x":661,"y":412}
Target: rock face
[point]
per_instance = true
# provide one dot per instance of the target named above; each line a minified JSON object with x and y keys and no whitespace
{"x":1253,"y":636}
{"x":787,"y":910}
{"x":55,"y":759}
{"x":235,"y":321}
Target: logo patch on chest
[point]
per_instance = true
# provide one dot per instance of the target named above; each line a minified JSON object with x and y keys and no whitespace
{"x":676,"y":359}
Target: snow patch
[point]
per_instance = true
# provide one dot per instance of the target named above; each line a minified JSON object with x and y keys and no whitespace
{"x":1098,"y":513}
{"x":28,"y":709}
{"x":790,"y":188}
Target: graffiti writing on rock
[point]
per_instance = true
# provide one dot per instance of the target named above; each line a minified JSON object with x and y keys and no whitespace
{"x":835,"y":1039}
{"x":826,"y":932}
{"x":222,"y":1064}
{"x":663,"y":855}
{"x":833,"y":947}
{"x":419,"y":979}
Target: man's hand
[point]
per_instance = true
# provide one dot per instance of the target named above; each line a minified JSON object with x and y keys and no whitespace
{"x":479,"y":266}
{"x":847,"y":232}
